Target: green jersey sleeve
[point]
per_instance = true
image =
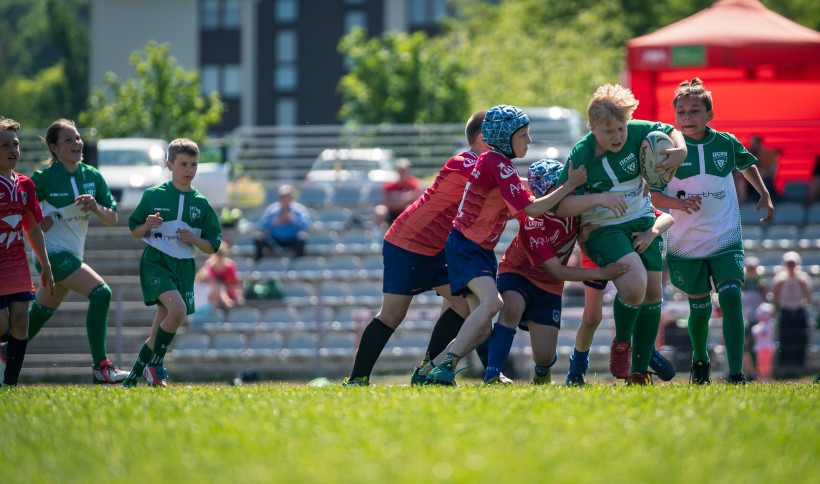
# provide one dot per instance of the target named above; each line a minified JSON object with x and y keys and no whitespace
{"x":39,"y":185}
{"x":743,"y":159}
{"x":141,"y":213}
{"x":103,"y":193}
{"x":211,"y":230}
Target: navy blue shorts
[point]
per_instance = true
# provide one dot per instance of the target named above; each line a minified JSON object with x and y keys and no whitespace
{"x":596,"y":284}
{"x":19,"y":296}
{"x":466,"y":260}
{"x":408,"y":273}
{"x":542,"y":307}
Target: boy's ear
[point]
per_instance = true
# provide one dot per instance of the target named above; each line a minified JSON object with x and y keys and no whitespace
{"x":711,"y":115}
{"x":169,"y":163}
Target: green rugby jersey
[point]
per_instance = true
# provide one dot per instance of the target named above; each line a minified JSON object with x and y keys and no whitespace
{"x":56,"y":189}
{"x":179,"y":210}
{"x":618,"y":173}
{"x":707,"y":171}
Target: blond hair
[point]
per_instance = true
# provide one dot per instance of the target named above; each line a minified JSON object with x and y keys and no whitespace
{"x":611,"y":103}
{"x":182,"y":145}
{"x":695,"y":90}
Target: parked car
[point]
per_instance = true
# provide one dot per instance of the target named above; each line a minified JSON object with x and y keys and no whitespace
{"x":554,"y":131}
{"x":358,"y":165}
{"x":130,"y":165}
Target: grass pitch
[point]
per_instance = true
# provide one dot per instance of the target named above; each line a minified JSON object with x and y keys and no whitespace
{"x":290,"y":433}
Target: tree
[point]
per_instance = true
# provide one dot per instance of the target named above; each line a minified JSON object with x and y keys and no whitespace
{"x":163,"y":100}
{"x":401,"y":78}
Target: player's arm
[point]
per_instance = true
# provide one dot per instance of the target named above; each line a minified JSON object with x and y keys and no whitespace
{"x":753,"y":176}
{"x":188,"y":237}
{"x":689,"y":205}
{"x":575,"y":178}
{"x":37,"y":241}
{"x":677,"y":155}
{"x":560,"y":272}
{"x":575,"y":205}
{"x":641,"y":240}
{"x":151,"y":222}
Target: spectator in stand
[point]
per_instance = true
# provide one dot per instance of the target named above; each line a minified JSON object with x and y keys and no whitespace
{"x":398,"y":195}
{"x":792,"y":292}
{"x":766,"y":165}
{"x":284,"y":224}
{"x":763,"y":334}
{"x":755,"y":288}
{"x":219,"y":273}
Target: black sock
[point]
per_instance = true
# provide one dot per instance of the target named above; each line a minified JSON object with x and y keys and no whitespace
{"x":445,"y":331}
{"x":5,"y":336}
{"x":15,"y":352}
{"x":373,"y":341}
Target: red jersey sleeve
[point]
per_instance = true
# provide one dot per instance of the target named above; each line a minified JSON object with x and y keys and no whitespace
{"x":33,"y":213}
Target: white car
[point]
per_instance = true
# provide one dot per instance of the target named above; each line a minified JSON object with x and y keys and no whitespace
{"x":130,"y":165}
{"x":358,"y":165}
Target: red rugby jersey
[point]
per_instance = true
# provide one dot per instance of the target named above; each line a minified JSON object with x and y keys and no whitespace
{"x":540,"y":239}
{"x":493,"y":194}
{"x":19,"y":210}
{"x":423,"y":226}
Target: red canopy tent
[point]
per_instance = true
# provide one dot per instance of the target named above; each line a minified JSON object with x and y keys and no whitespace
{"x":762,"y":68}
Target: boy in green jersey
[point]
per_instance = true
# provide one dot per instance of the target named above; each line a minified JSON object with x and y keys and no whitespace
{"x":610,"y":154}
{"x":172,"y":219}
{"x":705,"y":248}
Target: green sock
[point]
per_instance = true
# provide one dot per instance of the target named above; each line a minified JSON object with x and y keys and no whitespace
{"x":731,"y":303}
{"x":161,"y":344}
{"x":96,"y":321}
{"x":643,"y":338}
{"x":38,"y":316}
{"x":139,"y":366}
{"x":700,"y":310}
{"x":625,"y":317}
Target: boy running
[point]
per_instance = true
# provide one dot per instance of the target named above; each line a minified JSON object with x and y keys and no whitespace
{"x":705,"y":248}
{"x":172,"y":219}
{"x":610,"y":154}
{"x":19,"y":212}
{"x":414,"y":262}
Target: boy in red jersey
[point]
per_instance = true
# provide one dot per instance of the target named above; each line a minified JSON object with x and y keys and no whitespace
{"x":19,"y":212}
{"x":493,"y":195}
{"x":531,"y":280}
{"x":414,"y":262}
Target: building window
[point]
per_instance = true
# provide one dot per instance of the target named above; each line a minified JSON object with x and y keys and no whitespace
{"x":232,"y":80}
{"x":231,"y":14}
{"x":286,"y":11}
{"x":210,"y":14}
{"x":427,"y":12}
{"x":285,"y":78}
{"x":286,"y":112}
{"x":355,"y":18}
{"x":209,"y":75}
{"x":285,"y":46}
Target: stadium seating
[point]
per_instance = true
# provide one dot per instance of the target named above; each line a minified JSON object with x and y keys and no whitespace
{"x":190,"y":346}
{"x":229,"y":345}
{"x":265,"y":345}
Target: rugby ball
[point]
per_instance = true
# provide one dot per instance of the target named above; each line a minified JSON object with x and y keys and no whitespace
{"x":650,"y":157}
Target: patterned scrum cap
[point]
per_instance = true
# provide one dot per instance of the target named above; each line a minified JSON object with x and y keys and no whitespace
{"x":542,"y":175}
{"x":499,"y":124}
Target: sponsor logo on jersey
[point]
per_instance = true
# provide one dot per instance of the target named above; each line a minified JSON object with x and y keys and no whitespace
{"x":537,"y":242}
{"x":678,"y":277}
{"x":555,"y":236}
{"x":15,"y":233}
{"x":468,"y":162}
{"x":556,"y":315}
{"x":719,"y":158}
{"x":161,"y":209}
{"x":90,"y":188}
{"x":506,"y":170}
{"x":194,"y":213}
{"x":516,"y":189}
{"x":476,"y":173}
{"x":630,"y":164}
{"x":533,"y":223}
{"x":61,"y":194}
{"x":704,"y":194}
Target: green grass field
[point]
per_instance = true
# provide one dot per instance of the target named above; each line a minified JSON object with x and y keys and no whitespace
{"x":290,"y":433}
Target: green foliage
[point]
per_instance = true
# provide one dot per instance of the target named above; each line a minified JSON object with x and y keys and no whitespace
{"x":401,"y":78}
{"x":162,"y":100}
{"x":35,"y":101}
{"x":287,"y":433}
